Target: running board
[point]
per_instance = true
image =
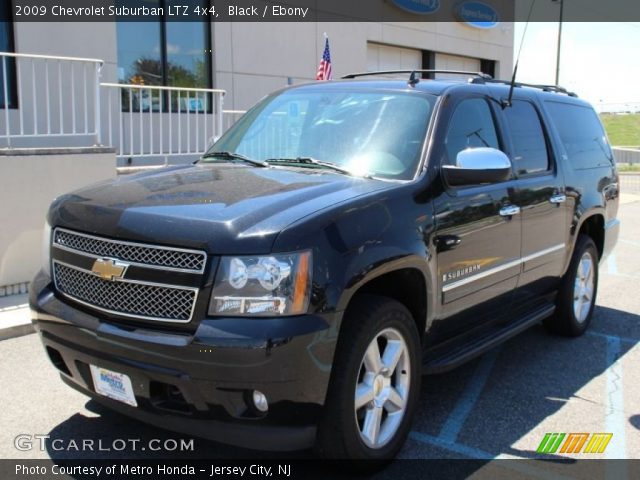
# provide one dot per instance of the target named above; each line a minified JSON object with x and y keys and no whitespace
{"x":485,"y":342}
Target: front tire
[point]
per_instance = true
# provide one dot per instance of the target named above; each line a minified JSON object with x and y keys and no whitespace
{"x":577,"y":294}
{"x":375,"y":382}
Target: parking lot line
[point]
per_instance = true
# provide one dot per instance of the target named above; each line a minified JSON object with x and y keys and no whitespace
{"x":451,"y":446}
{"x":630,"y":242}
{"x":614,"y":420}
{"x":612,"y":266}
{"x":624,"y":275}
{"x":614,"y":337}
{"x":476,"y":453}
{"x":458,"y":416}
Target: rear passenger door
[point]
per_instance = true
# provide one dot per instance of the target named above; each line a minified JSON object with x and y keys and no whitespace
{"x":540,"y":194}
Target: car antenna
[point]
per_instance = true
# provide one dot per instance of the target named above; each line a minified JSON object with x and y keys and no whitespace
{"x":507,"y":103}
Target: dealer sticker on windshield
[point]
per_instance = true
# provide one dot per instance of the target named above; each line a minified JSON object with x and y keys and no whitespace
{"x":113,"y":385}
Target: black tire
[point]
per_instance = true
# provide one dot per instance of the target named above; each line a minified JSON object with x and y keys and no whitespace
{"x":368,"y":318}
{"x":565,"y":322}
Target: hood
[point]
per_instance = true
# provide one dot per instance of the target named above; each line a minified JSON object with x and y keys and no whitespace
{"x":222,"y":208}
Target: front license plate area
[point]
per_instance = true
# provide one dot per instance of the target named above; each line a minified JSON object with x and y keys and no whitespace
{"x":113,"y":385}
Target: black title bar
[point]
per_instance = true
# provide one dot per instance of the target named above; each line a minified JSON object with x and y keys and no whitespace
{"x":477,"y":13}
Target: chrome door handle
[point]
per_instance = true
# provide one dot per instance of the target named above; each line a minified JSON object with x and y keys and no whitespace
{"x":509,"y":210}
{"x":560,"y":198}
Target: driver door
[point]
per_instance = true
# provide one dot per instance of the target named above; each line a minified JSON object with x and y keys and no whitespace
{"x":478,"y":230}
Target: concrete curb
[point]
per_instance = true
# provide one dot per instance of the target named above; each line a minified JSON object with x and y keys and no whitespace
{"x":16,"y":331}
{"x":15,"y":317}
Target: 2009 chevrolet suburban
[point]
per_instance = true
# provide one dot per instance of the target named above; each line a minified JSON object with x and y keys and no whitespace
{"x":338,"y":242}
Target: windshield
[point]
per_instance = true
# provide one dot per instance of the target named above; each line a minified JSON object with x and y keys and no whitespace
{"x":366,"y":133}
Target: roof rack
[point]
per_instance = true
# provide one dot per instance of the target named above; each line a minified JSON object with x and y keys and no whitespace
{"x":478,"y":77}
{"x":413,"y":78}
{"x":545,"y":88}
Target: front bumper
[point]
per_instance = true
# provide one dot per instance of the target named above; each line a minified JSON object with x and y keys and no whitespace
{"x":201,"y":383}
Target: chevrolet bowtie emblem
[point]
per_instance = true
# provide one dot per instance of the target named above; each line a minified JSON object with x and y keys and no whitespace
{"x":109,"y":269}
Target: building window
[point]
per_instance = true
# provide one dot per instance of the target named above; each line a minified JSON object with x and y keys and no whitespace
{"x":488,"y":67}
{"x":6,"y":45}
{"x":166,"y":53}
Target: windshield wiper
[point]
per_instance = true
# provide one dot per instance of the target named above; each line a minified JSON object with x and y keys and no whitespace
{"x":234,"y":156}
{"x":311,"y":161}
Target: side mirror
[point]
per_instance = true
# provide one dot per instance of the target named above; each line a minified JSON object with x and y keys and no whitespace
{"x":475,"y":166}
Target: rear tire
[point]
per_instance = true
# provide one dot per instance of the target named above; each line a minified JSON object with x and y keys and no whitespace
{"x":577,"y":294}
{"x":375,"y":383}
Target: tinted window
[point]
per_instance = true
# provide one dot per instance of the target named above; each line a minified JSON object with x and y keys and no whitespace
{"x":529,"y":144}
{"x":582,"y":135}
{"x":471,"y":126}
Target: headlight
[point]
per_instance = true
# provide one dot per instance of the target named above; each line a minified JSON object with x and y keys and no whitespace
{"x":271,"y":285}
{"x":46,"y":248}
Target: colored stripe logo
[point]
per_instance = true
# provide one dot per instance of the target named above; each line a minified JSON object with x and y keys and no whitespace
{"x":574,"y":443}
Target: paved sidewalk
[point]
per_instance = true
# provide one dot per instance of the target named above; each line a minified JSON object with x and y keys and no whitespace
{"x":15,"y":319}
{"x":629,"y":198}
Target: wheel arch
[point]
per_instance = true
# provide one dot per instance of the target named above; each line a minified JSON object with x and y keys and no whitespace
{"x":402,"y":280}
{"x":591,"y":225}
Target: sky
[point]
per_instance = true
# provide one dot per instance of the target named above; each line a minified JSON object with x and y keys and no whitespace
{"x":599,"y":61}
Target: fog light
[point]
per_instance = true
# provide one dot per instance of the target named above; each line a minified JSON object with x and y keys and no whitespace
{"x":260,"y":401}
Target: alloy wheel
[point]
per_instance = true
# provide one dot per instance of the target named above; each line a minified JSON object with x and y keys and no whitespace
{"x":382,"y":388}
{"x":583,"y":288}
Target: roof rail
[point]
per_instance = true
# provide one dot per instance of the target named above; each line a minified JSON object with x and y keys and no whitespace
{"x":545,"y":88}
{"x":413,"y":78}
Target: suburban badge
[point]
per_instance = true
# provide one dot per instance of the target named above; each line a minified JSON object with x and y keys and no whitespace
{"x":462,"y":272}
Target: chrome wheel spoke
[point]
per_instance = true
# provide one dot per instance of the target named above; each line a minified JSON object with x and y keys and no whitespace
{"x":395,"y":402}
{"x":392,"y":353}
{"x":364,"y":395}
{"x":586,"y":269}
{"x":584,"y":309}
{"x":372,"y":360}
{"x":372,"y":423}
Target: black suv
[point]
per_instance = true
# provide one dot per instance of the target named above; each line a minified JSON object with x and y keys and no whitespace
{"x":341,"y":240}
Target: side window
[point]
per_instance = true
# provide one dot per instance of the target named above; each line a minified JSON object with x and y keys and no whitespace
{"x":582,"y":135}
{"x":529,"y":144}
{"x":471,"y":126}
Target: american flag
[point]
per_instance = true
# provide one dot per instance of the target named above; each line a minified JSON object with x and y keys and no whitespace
{"x":324,"y":69}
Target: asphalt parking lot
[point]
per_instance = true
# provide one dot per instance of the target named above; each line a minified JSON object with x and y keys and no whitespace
{"x":500,"y":406}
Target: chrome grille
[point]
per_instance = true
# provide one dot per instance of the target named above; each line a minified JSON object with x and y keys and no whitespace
{"x":167,"y":258}
{"x":126,"y":297}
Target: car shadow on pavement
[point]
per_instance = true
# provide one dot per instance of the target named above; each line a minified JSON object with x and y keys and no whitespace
{"x":534,"y":376}
{"x":635,"y":421}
